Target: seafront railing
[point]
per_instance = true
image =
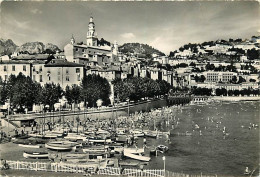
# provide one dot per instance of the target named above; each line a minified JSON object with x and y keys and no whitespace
{"x":93,"y":169}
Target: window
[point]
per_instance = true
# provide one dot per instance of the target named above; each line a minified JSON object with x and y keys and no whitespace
{"x":40,"y":78}
{"x":24,"y":67}
{"x":33,"y":68}
{"x":78,"y":76}
{"x":77,"y":70}
{"x":6,"y":77}
{"x":67,"y":71}
{"x":83,"y":50}
{"x":77,"y":49}
{"x":5,"y":68}
{"x":40,"y":68}
{"x":13,"y":68}
{"x":67,"y":78}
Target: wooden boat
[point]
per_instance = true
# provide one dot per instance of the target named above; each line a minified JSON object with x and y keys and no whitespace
{"x":53,"y":135}
{"x":137,"y":133}
{"x":162,"y":148}
{"x":36,"y":155}
{"x":75,"y":137}
{"x":94,"y":149}
{"x":61,"y":145}
{"x":30,"y":145}
{"x":137,"y":157}
{"x":247,"y":171}
{"x":116,"y":147}
{"x":97,"y":139}
{"x":151,"y":134}
{"x":134,"y":150}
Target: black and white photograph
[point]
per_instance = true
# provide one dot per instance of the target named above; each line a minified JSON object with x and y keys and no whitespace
{"x":129,"y":88}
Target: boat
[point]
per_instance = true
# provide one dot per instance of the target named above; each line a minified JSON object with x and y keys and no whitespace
{"x":68,"y":156}
{"x":247,"y":171}
{"x":137,"y":133}
{"x":162,"y":148}
{"x":75,"y":137}
{"x":94,"y":149}
{"x":151,"y":134}
{"x":36,"y":155}
{"x":187,"y":133}
{"x":137,"y":157}
{"x":30,"y":145}
{"x":98,"y":139}
{"x":134,"y":150}
{"x":53,"y":135}
{"x":61,"y":145}
{"x":116,"y":147}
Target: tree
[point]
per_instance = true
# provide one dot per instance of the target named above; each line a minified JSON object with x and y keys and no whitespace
{"x":253,"y":54}
{"x":73,"y":94}
{"x":240,"y":80}
{"x":21,"y":91}
{"x":95,"y":87}
{"x":193,"y":64}
{"x":202,"y":78}
{"x":233,"y":80}
{"x":51,"y":93}
{"x":252,"y":80}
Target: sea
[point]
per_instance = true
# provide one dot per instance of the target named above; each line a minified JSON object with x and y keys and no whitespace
{"x":209,"y":150}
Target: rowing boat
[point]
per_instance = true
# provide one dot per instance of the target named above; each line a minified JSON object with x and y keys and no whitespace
{"x":36,"y":155}
{"x":61,"y":145}
{"x":137,"y":157}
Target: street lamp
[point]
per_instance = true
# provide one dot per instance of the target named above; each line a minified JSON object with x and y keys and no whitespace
{"x":164,"y":164}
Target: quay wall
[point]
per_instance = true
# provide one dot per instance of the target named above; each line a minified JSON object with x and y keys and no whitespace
{"x":236,"y":98}
{"x":102,"y":113}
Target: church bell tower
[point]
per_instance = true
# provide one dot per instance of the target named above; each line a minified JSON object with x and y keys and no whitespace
{"x":91,"y":35}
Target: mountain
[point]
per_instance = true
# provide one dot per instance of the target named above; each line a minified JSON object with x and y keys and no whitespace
{"x":32,"y":47}
{"x":38,"y":47}
{"x":138,"y":49}
{"x":51,"y":47}
{"x":7,"y":47}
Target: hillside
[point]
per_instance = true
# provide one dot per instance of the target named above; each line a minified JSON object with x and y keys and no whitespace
{"x":138,"y":49}
{"x":7,"y":47}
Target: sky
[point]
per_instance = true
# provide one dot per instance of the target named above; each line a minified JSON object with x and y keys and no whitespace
{"x":164,"y":25}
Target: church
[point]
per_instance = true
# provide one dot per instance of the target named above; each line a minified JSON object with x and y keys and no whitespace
{"x":90,"y":53}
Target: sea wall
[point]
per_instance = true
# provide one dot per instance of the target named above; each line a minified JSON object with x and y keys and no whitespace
{"x":236,"y":98}
{"x":107,"y":113}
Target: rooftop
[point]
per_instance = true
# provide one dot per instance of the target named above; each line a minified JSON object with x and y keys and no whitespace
{"x":62,"y":63}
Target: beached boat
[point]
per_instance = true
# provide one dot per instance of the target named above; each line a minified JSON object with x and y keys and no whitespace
{"x":137,"y":133}
{"x":94,"y":149}
{"x":52,"y":135}
{"x":30,"y":145}
{"x":61,"y":145}
{"x":137,"y":157}
{"x":36,"y":155}
{"x":151,"y":134}
{"x":115,"y":147}
{"x":134,"y":150}
{"x":75,"y":137}
{"x":98,"y":139}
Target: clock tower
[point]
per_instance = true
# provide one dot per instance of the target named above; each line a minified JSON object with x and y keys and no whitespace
{"x":91,"y":35}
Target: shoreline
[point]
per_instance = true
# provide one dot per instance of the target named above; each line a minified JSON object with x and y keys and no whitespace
{"x":235,"y":98}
